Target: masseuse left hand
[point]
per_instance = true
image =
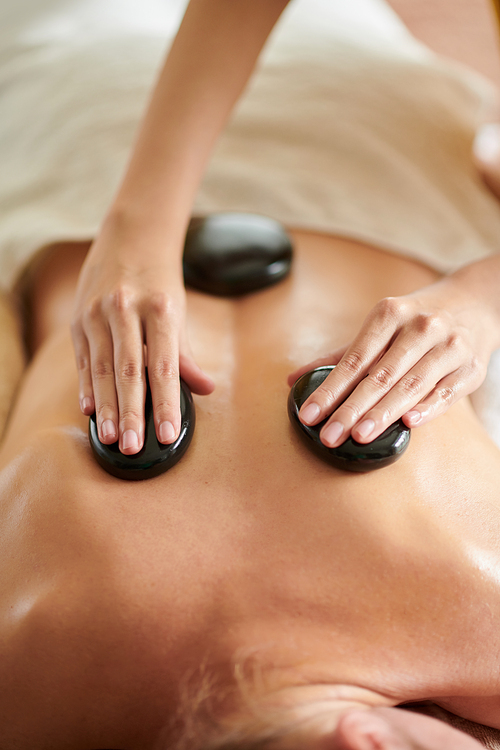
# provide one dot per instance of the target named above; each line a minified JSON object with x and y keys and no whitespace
{"x":413,"y":357}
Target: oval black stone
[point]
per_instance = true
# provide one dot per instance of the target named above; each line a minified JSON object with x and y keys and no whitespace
{"x":350,"y":456}
{"x":154,"y":458}
{"x":229,"y":254}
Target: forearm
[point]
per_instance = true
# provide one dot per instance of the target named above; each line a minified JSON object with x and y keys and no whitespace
{"x":130,"y":290}
{"x":481,"y":281}
{"x":206,"y":70}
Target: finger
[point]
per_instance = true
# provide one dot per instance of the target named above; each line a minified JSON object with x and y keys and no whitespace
{"x":163,"y":373}
{"x":103,"y":377}
{"x":402,"y":352}
{"x":130,"y":377}
{"x":367,"y":410}
{"x":194,"y":377}
{"x":330,"y":359}
{"x":408,"y":391}
{"x":372,"y":341}
{"x":82,"y":354}
{"x":442,"y":365}
{"x":450,"y":389}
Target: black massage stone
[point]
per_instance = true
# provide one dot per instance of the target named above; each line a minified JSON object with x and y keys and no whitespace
{"x":350,"y":456}
{"x":230,"y":254}
{"x":154,"y":458}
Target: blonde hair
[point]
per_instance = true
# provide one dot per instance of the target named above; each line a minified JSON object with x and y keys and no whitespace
{"x":203,"y":722}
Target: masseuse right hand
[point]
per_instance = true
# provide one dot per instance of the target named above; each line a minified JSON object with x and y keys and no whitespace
{"x":130,"y":313}
{"x":130,"y":291}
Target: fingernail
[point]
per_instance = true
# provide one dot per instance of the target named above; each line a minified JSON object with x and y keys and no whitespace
{"x":487,"y":142}
{"x":331,"y":434}
{"x":130,"y":440}
{"x":86,"y":404}
{"x":365,"y":428}
{"x":167,"y":432}
{"x":310,"y":413}
{"x":108,"y":428}
{"x":414,"y":417}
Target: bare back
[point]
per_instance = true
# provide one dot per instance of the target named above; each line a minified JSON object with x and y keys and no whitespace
{"x":388,"y":580}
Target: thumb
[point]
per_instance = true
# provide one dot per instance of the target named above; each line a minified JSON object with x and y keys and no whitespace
{"x":194,"y":377}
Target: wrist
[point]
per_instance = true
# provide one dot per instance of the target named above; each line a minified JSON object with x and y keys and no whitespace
{"x":136,"y":239}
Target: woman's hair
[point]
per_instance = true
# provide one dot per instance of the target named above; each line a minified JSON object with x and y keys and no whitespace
{"x":245,"y":738}
{"x":259,"y":734}
{"x":203,"y":721}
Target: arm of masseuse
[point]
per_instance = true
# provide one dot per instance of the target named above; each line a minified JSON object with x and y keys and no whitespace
{"x":425,"y":351}
{"x":131,"y":290}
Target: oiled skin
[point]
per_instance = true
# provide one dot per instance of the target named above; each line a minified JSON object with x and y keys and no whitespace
{"x":388,"y":581}
{"x":111,"y":591}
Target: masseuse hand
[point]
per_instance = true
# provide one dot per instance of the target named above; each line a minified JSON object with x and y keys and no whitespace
{"x":127,"y":298}
{"x":413,"y":358}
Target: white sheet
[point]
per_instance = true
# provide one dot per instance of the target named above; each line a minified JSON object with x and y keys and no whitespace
{"x":349,"y":126}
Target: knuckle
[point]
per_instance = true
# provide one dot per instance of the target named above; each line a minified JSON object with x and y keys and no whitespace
{"x":385,"y":415}
{"x":162,"y":407}
{"x":426,"y":323}
{"x":383,"y":377}
{"x":82,"y":363}
{"x":130,"y":371}
{"x":102,"y":370}
{"x":93,"y":311}
{"x":454,"y":342}
{"x":446,"y":394}
{"x":351,"y":363}
{"x":104,"y":410}
{"x":478,"y":370}
{"x":130,"y":414}
{"x":160,"y":304}
{"x":165,"y":409}
{"x":412,"y":385}
{"x":121,"y":299}
{"x":352,"y":410}
{"x":389,"y":308}
{"x":163,"y":369}
{"x":381,"y":414}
